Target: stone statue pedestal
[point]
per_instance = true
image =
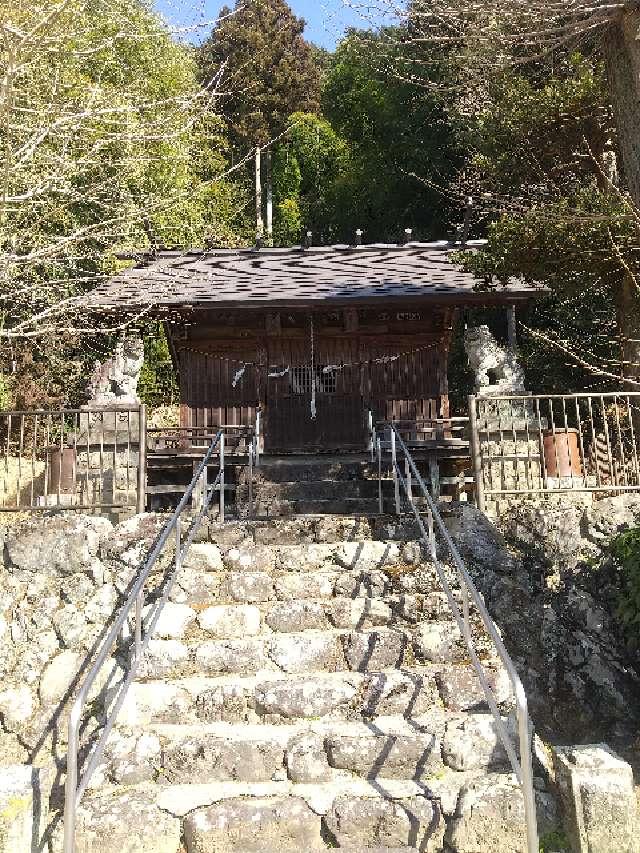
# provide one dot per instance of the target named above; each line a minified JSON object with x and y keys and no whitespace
{"x":119,"y":425}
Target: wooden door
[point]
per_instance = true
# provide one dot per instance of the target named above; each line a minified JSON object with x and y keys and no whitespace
{"x":315,"y":406}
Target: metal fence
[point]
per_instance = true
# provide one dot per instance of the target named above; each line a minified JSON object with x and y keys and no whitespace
{"x":555,"y":444}
{"x":409,"y":488}
{"x":79,"y":459}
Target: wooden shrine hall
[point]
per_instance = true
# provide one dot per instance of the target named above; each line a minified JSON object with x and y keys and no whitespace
{"x":313,"y":337}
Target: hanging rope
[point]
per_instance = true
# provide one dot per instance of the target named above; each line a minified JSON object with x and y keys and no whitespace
{"x":274,"y":374}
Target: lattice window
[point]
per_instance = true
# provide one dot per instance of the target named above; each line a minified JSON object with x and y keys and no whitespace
{"x":302,"y":380}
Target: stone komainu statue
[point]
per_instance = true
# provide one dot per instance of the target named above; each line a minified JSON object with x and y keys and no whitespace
{"x":116,"y":380}
{"x":496,"y":369}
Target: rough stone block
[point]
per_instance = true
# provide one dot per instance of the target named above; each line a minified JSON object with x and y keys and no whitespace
{"x":59,"y":544}
{"x":226,"y":702}
{"x":204,"y":557}
{"x":248,"y":587}
{"x":196,"y":587}
{"x":237,"y":656}
{"x":360,"y":612}
{"x":231,"y":621}
{"x":304,"y":585}
{"x":16,"y":707}
{"x":130,"y":823}
{"x":307,"y":760}
{"x":489,"y":816}
{"x":600,"y":805}
{"x":366,"y":555}
{"x":163,"y":657}
{"x":373,"y":584}
{"x":173,"y":621}
{"x":306,"y":652}
{"x":210,"y":758}
{"x":472,"y":742}
{"x":306,"y":698}
{"x":372,"y":650}
{"x":154,"y":701}
{"x":286,"y":825}
{"x":294,"y":616}
{"x":400,"y":756}
{"x":461,"y":690}
{"x":414,"y":822}
{"x":398,"y":692}
{"x":58,"y":676}
{"x":250,"y":558}
{"x":439,"y":642}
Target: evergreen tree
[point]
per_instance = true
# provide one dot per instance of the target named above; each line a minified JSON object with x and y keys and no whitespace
{"x":266,"y":69}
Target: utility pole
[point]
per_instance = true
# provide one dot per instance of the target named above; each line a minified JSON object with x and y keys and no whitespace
{"x":269,"y":195}
{"x":259,"y":220}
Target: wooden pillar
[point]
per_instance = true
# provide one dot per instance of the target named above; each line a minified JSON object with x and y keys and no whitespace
{"x":269,"y":189}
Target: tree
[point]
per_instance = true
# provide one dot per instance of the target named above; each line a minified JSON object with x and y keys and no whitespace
{"x":264,"y":67}
{"x":100,"y":118}
{"x":402,"y":143}
{"x":488,"y":44}
{"x":308,"y":168}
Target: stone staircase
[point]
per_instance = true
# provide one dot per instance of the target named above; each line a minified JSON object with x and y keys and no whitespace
{"x":307,"y":690}
{"x":299,"y":485}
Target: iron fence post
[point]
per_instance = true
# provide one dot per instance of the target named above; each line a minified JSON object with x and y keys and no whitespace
{"x":379,"y":455}
{"x":250,"y":508}
{"x":222,"y":483}
{"x":142,"y":459}
{"x":258,"y":424}
{"x":394,"y":465}
{"x":476,"y":456}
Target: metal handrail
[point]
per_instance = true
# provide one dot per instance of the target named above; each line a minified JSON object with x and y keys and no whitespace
{"x":522,"y":766}
{"x":75,"y":786}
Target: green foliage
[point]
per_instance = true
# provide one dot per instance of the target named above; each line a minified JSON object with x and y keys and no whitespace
{"x":625,"y":550}
{"x":403,"y":149}
{"x":565,"y":246}
{"x":268,"y":69}
{"x":307,"y":170}
{"x":554,"y":842}
{"x":157,"y":385}
{"x":530,"y":129}
{"x":122,"y":155}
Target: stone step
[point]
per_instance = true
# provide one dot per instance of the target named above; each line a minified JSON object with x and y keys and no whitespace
{"x":308,"y":752}
{"x":331,"y":650}
{"x":351,"y":814}
{"x":312,"y":528}
{"x":334,"y":556}
{"x":200,"y":589}
{"x":281,"y":508}
{"x":313,"y":468}
{"x":281,"y":697}
{"x":206,"y":616}
{"x":287,"y":698}
{"x":291,"y":490}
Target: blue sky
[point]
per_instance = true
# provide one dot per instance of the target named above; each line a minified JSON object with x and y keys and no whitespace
{"x":326,"y":19}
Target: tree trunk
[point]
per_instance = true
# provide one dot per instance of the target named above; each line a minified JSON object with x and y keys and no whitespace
{"x":628,"y":310}
{"x":622,"y":51}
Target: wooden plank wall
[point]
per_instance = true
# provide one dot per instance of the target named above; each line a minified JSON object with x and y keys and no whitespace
{"x":411,"y":386}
